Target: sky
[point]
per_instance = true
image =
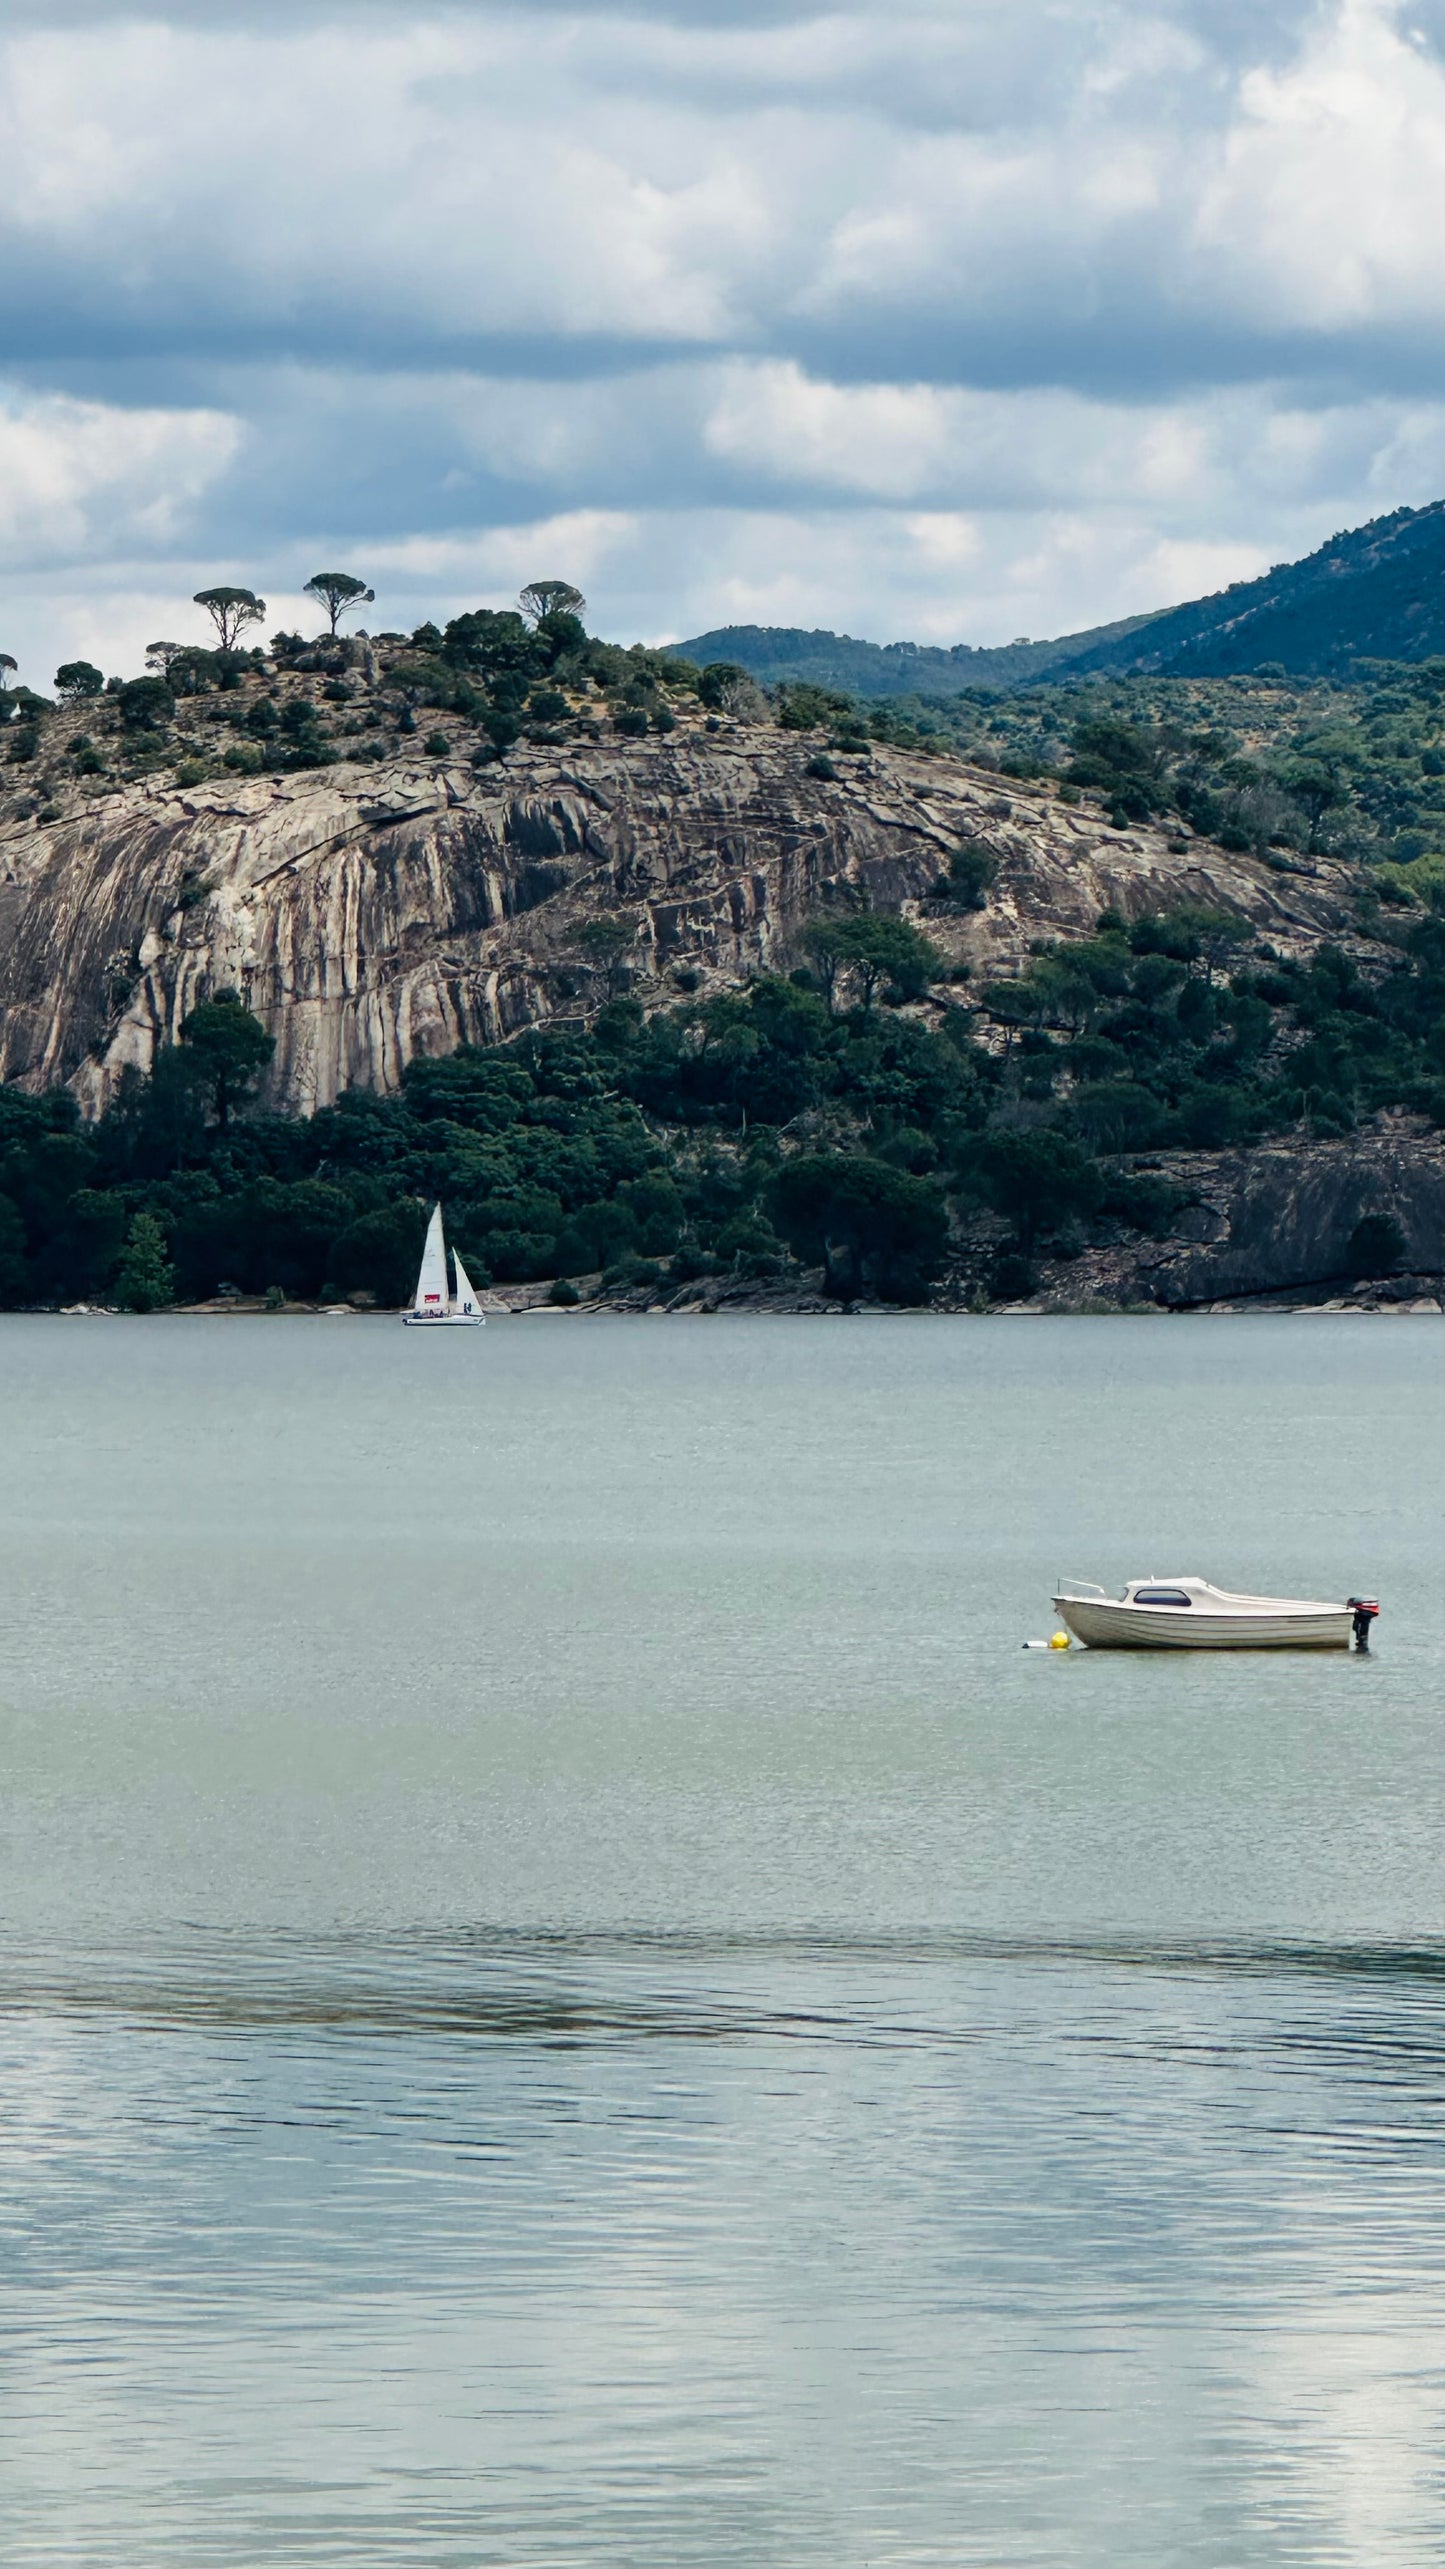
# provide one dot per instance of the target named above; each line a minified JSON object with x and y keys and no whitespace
{"x":945,"y":320}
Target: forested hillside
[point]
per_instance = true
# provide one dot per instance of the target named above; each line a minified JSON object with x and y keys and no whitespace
{"x":822,"y":1121}
{"x":1374,"y":593}
{"x":909,"y":1082}
{"x":778,"y":654}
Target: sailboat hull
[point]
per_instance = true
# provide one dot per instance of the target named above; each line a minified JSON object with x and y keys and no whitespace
{"x":442,"y":1319}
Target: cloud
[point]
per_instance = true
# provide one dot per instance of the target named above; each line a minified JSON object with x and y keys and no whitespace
{"x":1143,"y":289}
{"x":85,"y":477}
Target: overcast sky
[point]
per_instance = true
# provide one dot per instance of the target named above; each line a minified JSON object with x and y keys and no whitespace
{"x":942,"y":319}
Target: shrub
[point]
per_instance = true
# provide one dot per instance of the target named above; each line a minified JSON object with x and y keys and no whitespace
{"x":146,"y":704}
{"x":437,"y":745}
{"x":632,"y":1275}
{"x":564,"y":1294}
{"x":631,"y":721}
{"x":972,"y":873}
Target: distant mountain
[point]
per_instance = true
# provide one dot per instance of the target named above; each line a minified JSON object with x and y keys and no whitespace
{"x":1376,"y":593}
{"x":777,"y":652}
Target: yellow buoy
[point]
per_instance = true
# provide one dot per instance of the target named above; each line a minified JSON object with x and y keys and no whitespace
{"x":1060,"y":1641}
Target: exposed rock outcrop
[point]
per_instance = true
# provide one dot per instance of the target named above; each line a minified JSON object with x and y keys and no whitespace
{"x":1278,"y":1219}
{"x":368,"y":913}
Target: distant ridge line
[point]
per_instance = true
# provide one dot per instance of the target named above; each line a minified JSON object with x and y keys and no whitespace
{"x":1374,"y":592}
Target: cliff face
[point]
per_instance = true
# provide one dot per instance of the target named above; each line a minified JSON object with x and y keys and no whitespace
{"x":1277,"y":1220}
{"x":370,"y":913}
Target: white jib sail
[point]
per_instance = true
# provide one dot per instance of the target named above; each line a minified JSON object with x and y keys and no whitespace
{"x":431,"y":1284}
{"x":466,"y":1301}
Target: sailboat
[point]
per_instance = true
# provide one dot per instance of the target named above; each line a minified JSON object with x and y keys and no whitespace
{"x":434,"y":1307}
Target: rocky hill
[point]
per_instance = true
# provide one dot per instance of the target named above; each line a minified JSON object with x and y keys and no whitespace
{"x":383,"y":907}
{"x":1122,"y":1063}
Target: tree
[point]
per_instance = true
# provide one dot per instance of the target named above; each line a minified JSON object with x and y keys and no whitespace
{"x":1035,"y":1178}
{"x":379,"y":1253}
{"x":878,"y":949}
{"x":496,"y":644}
{"x":1316,"y":784}
{"x":162,"y":656}
{"x":232,"y":1046}
{"x":7,"y":665}
{"x":872,"y":1225}
{"x":542,"y":598}
{"x":147,"y":1280}
{"x":338,"y":593}
{"x":801,"y":706}
{"x":146,"y":704}
{"x":606,"y":943}
{"x":725,"y":688}
{"x":77,"y":680}
{"x":14,"y":1261}
{"x":972,"y":873}
{"x":231,"y":611}
{"x":1192,"y":934}
{"x":820,"y":940}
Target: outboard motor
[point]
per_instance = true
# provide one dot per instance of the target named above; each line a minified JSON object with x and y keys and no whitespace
{"x":1365,"y":1610}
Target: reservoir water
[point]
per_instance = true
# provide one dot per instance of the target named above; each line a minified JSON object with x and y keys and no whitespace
{"x":570,"y":1995}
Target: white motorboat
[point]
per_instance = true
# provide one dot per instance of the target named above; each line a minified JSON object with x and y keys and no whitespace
{"x":434,"y":1306}
{"x":1189,"y":1614}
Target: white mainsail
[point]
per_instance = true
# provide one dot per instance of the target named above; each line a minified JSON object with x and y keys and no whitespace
{"x":465,"y":1305}
{"x":431,"y":1284}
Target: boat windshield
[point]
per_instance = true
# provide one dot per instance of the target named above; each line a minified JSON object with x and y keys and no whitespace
{"x":1161,"y":1597}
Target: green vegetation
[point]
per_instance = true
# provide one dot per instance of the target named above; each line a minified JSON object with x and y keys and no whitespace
{"x":75,"y":680}
{"x":829,"y":1118}
{"x":231,"y":611}
{"x":338,"y":592}
{"x":1284,"y":770}
{"x":1288,"y":769}
{"x":872,"y":1115}
{"x":1375,"y":592}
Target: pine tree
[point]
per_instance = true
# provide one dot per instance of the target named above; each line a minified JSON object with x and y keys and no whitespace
{"x":147,"y":1280}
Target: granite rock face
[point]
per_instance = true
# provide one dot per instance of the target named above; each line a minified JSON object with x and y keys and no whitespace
{"x":370,"y":913}
{"x":1278,"y":1218}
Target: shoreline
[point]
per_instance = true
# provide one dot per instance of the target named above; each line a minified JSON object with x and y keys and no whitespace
{"x":744,"y":1302}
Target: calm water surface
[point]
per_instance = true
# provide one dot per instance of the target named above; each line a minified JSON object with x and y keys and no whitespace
{"x":569,"y":1994}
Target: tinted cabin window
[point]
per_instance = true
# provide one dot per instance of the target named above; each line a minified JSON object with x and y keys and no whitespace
{"x":1161,"y":1597}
